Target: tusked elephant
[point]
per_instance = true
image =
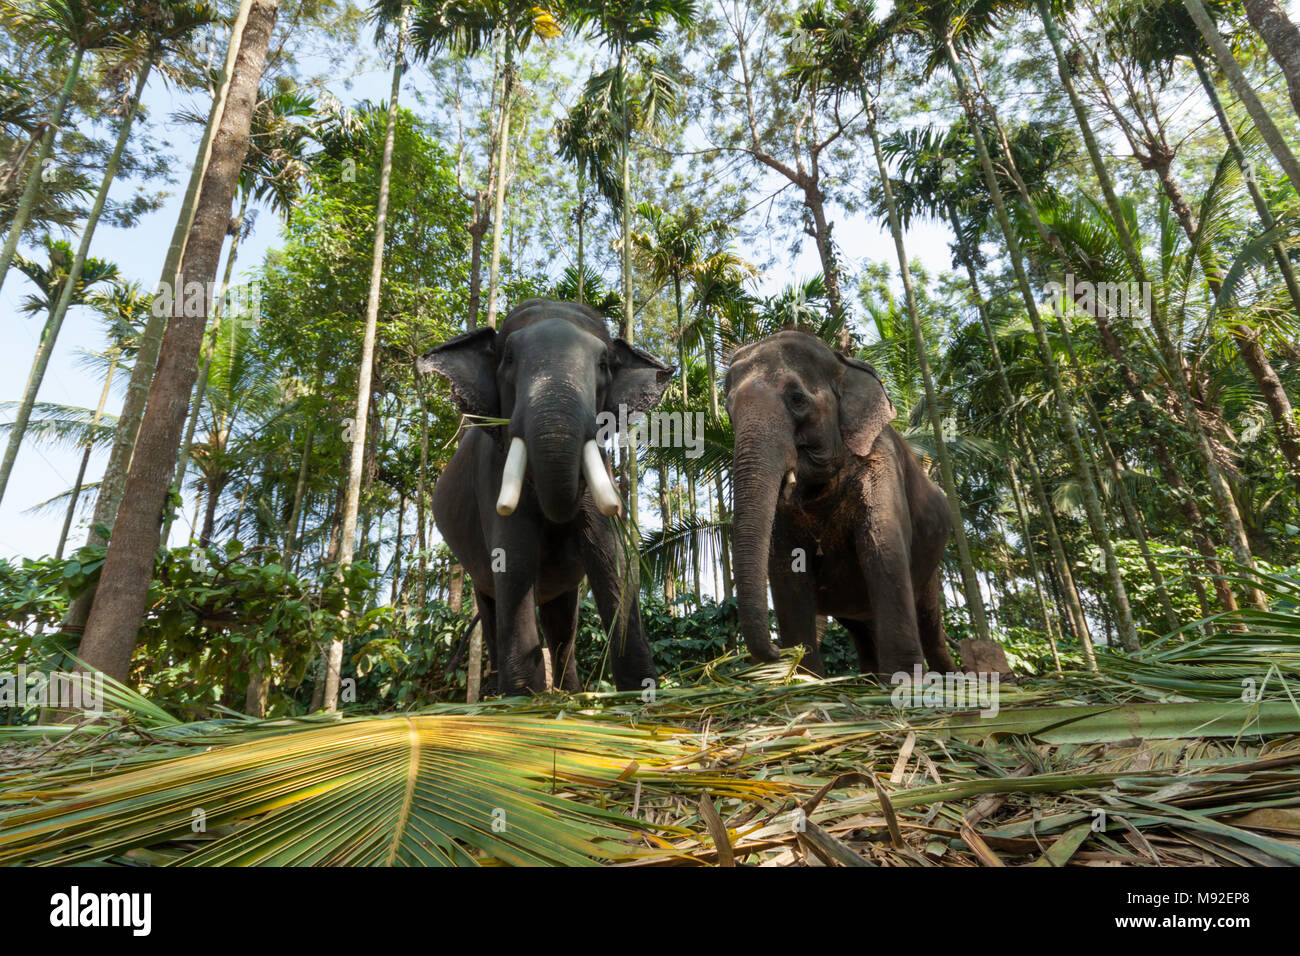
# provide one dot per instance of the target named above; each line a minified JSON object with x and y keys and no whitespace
{"x":526,"y":506}
{"x":832,"y":508}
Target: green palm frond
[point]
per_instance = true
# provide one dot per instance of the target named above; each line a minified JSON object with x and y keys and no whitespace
{"x":684,"y":545}
{"x":63,"y":426}
{"x":446,"y":789}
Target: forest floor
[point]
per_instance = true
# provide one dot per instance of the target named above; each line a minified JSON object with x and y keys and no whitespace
{"x":1188,"y":754}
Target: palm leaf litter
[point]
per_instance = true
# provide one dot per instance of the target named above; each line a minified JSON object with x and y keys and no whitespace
{"x":1185,"y":754}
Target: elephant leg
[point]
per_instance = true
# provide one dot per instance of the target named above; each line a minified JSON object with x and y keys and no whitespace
{"x":487,"y":612}
{"x":605,"y":560}
{"x":883,"y":555}
{"x":864,"y":640}
{"x":559,"y":618}
{"x":521,"y":668}
{"x":793,"y":597}
{"x":929,"y":621}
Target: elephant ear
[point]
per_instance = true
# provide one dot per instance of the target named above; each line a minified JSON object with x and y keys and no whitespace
{"x":865,"y":408}
{"x":469,"y":363}
{"x":639,"y":379}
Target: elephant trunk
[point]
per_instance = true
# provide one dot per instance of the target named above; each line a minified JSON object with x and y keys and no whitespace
{"x":557,"y":428}
{"x":764,"y":454}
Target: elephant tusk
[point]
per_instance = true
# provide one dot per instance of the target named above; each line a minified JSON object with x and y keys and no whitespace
{"x":512,"y":477}
{"x":593,"y":469}
{"x":787,"y":486}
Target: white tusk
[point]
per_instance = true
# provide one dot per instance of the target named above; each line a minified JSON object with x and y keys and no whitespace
{"x":593,"y":469}
{"x":512,"y":477}
{"x":787,"y":486}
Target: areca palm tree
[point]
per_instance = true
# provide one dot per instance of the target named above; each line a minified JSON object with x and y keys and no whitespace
{"x":1175,"y":365}
{"x":945,"y":29}
{"x":120,"y":600}
{"x":625,"y":26}
{"x":672,"y":252}
{"x":74,"y":28}
{"x":1154,"y":38}
{"x":717,"y":293}
{"x":273,"y":170}
{"x":365,"y":372}
{"x":159,"y":26}
{"x":468,"y":26}
{"x":586,"y":138}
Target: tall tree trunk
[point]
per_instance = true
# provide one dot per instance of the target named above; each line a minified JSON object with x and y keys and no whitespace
{"x":1034,"y":572}
{"x":124,"y":581}
{"x":1245,"y":92}
{"x":1132,"y":516}
{"x":1074,"y":443}
{"x":666,"y":520}
{"x":681,"y":342}
{"x":291,"y":538}
{"x":146,"y":357}
{"x":1060,"y":563}
{"x":970,"y":583}
{"x":85,"y":456}
{"x":1175,"y":362}
{"x":50,"y":334}
{"x":1173,"y":479}
{"x":1282,"y":39}
{"x":422,"y":485}
{"x":201,"y":386}
{"x":724,"y":537}
{"x":32,"y":188}
{"x":503,"y":175}
{"x":365,"y":373}
{"x":1266,"y":217}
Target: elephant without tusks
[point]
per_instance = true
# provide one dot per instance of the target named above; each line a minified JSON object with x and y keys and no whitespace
{"x":832,"y":508}
{"x":526,"y":506}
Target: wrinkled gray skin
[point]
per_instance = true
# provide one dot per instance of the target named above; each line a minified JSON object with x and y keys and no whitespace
{"x":871,"y":524}
{"x":549,"y":369}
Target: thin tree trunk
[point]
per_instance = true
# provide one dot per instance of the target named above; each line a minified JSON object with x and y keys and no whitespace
{"x":291,"y":538}
{"x":201,"y":386}
{"x":85,"y":458}
{"x":1266,"y":218}
{"x":1070,"y":593}
{"x":361,"y":430}
{"x":1263,"y":121}
{"x":1282,"y":39}
{"x":50,"y":334}
{"x":1175,"y":362}
{"x":666,"y":520}
{"x":32,"y":188}
{"x":421,"y":492}
{"x":146,"y":357}
{"x":124,"y":582}
{"x":1034,"y":572}
{"x":970,"y":583}
{"x":503,"y":170}
{"x":1074,"y":443}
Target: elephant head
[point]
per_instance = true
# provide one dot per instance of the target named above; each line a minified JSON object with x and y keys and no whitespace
{"x":549,"y":370}
{"x":801,"y":414}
